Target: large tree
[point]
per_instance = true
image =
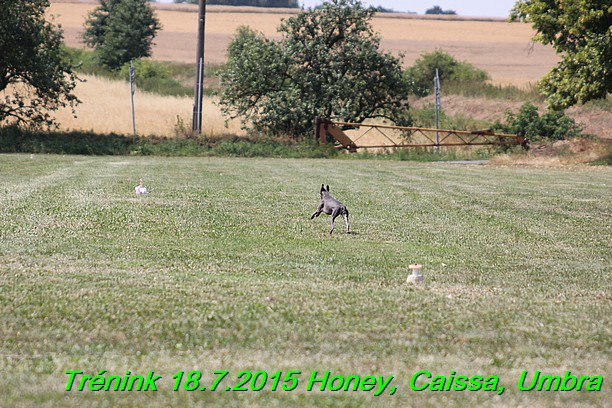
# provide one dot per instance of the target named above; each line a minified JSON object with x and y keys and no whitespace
{"x":328,"y":63}
{"x":35,"y":78}
{"x":121,"y":30}
{"x":581,"y":33}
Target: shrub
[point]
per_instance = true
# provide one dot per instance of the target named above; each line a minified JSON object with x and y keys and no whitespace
{"x":16,"y":140}
{"x":422,"y":73}
{"x":552,"y":125}
{"x":85,"y":61}
{"x":152,"y":76}
{"x":145,"y":69}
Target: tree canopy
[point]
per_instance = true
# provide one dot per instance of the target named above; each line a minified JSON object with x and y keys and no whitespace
{"x":581,"y":33}
{"x":121,"y":30}
{"x":35,"y":78}
{"x":439,"y":10}
{"x":328,"y":63}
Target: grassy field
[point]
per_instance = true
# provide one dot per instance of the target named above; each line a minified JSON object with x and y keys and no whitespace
{"x":220,"y":268}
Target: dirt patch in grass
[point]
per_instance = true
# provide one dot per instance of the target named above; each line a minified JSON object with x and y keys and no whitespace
{"x":595,"y":120}
{"x":559,"y":153}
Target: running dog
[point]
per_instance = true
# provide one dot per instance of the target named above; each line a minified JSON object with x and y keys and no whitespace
{"x":330,"y":206}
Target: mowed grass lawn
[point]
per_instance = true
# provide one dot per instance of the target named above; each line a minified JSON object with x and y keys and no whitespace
{"x":221,"y":268}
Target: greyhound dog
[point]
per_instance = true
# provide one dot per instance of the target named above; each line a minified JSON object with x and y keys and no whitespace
{"x":330,"y":206}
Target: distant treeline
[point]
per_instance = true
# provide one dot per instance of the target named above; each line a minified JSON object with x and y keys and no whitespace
{"x":438,"y":10}
{"x":266,"y":3}
{"x":256,"y":3}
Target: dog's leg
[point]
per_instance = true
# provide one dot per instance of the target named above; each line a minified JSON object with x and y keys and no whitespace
{"x":346,"y":221}
{"x":318,"y":212}
{"x":334,"y":214}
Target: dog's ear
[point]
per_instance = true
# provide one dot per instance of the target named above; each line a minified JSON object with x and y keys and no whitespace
{"x":328,"y":188}
{"x":322,"y":187}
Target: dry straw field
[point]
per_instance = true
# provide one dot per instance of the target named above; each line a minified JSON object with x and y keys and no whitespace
{"x":106,"y":108}
{"x":503,"y":49}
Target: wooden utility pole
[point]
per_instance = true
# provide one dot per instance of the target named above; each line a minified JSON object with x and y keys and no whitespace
{"x":437,"y":92}
{"x":197,"y":104}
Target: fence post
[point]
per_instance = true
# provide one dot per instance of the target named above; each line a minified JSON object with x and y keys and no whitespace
{"x":320,"y":130}
{"x":132,"y":79}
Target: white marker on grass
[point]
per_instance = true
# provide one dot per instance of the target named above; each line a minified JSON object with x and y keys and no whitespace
{"x":416,"y":276}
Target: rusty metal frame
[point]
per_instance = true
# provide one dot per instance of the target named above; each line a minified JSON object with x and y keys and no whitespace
{"x":323,"y":127}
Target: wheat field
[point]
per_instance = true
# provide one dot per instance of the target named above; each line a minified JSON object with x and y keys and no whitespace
{"x":504,"y":50}
{"x":154,"y":114}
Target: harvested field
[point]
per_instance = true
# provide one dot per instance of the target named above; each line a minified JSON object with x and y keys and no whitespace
{"x":505,"y":50}
{"x":155,"y":114}
{"x":594,"y":121}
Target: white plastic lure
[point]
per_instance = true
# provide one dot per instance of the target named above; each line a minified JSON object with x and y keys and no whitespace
{"x":140,"y":189}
